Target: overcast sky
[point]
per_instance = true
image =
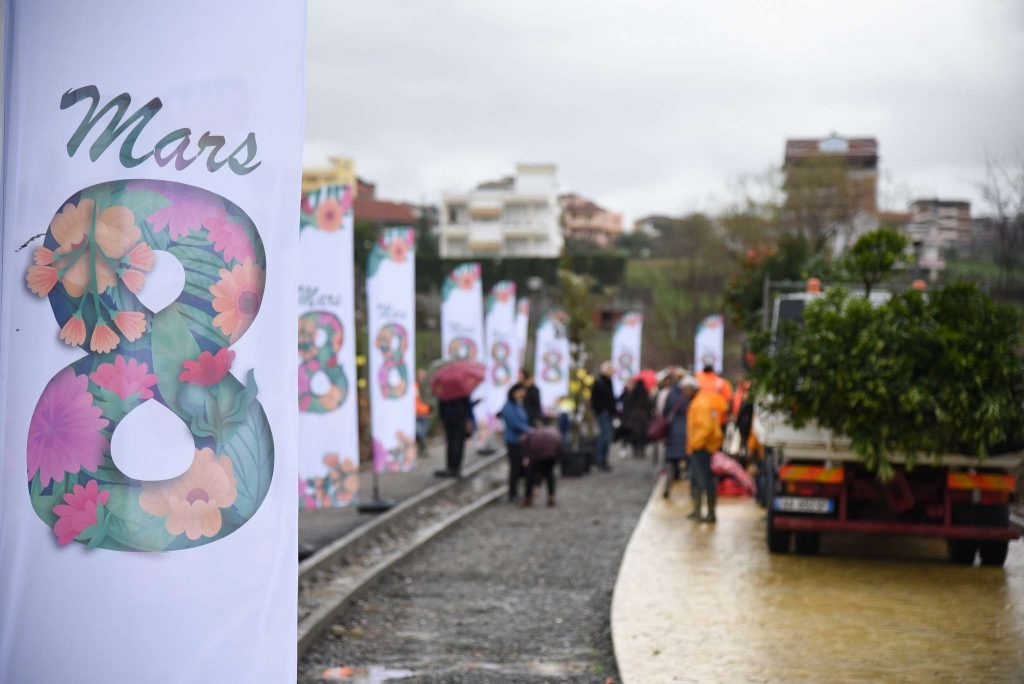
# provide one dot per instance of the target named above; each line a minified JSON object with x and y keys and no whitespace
{"x":650,"y":106}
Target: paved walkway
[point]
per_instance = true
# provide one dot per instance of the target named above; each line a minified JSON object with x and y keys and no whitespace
{"x":508,"y":595}
{"x":318,"y":527}
{"x":696,"y":603}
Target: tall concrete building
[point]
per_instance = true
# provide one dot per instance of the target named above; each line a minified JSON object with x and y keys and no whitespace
{"x":809,"y":168}
{"x":858,"y":155}
{"x":517,"y":216}
{"x":936,"y":226}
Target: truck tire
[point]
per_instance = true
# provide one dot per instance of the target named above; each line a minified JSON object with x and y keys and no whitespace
{"x":808,"y":543}
{"x":993,"y":552}
{"x":962,"y":551}
{"x":778,"y":540}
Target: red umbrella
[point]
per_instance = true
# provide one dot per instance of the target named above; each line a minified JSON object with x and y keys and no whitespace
{"x":456,"y":379}
{"x":648,"y":377}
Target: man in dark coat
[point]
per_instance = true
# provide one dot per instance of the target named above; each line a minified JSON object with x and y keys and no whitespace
{"x":602,"y":400}
{"x":457,"y":418}
{"x":532,"y":401}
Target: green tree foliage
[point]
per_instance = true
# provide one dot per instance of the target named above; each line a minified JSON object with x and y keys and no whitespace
{"x":636,"y":244}
{"x":874,"y":255}
{"x":578,"y":305}
{"x":921,"y":374}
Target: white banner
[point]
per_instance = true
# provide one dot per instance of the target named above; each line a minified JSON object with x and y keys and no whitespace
{"x":328,"y":413}
{"x":462,"y":314}
{"x":147,"y":326}
{"x":522,"y":330}
{"x":552,"y":360}
{"x":709,"y":345}
{"x":502,"y":361}
{"x":626,"y":344}
{"x":391,"y":310}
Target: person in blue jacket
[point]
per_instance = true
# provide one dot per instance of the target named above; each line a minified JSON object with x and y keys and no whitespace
{"x":517,"y":424}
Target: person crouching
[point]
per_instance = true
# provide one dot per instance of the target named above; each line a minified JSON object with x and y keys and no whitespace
{"x":543,"y":449}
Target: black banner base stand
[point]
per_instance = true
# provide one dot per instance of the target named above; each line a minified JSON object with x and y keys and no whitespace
{"x":377,"y":504}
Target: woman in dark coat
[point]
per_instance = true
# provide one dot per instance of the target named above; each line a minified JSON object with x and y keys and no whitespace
{"x":636,"y":416}
{"x":676,"y":404}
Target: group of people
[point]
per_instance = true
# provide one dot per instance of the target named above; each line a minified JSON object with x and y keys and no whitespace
{"x":533,"y":448}
{"x":688,"y":411}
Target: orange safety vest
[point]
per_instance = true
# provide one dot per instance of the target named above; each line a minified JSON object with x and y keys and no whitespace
{"x":422,"y":408}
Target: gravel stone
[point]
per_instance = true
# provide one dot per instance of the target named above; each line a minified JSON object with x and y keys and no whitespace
{"x":508,"y":595}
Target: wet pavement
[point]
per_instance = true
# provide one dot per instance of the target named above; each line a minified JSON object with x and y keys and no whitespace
{"x":701,"y":603}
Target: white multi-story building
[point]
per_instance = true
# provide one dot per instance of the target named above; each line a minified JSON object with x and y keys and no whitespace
{"x":516,"y":216}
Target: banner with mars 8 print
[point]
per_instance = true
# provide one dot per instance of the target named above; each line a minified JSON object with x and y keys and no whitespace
{"x":626,"y":345}
{"x":391,"y":314}
{"x":328,"y":413}
{"x":551,"y":360}
{"x":709,"y":344}
{"x":147,"y":492}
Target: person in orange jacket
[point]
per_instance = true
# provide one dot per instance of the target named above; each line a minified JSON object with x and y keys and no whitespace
{"x":704,"y":437}
{"x":710,"y":380}
{"x":423,"y":412}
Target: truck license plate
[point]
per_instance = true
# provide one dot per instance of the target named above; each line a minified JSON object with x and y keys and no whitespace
{"x":803,"y":504}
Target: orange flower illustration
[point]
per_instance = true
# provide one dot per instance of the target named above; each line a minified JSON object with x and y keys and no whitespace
{"x":192,"y":501}
{"x":104,"y":339}
{"x":115,"y":234}
{"x":73,"y":331}
{"x":237,"y":297}
{"x":131,"y":324}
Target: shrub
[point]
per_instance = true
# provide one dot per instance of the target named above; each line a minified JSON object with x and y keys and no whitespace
{"x":921,"y":374}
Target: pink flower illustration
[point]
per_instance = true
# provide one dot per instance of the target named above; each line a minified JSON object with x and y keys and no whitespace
{"x":380,"y":456}
{"x":64,"y":434}
{"x":208,"y":369}
{"x":399,"y":249}
{"x":329,"y":215}
{"x":305,"y":393}
{"x":231,"y":239}
{"x":190,"y":208}
{"x":125,"y":378}
{"x":78,"y":512}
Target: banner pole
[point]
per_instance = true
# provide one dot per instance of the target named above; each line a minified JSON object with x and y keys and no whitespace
{"x":377,"y":504}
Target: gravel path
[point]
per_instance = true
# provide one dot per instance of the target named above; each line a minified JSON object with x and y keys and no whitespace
{"x":509,"y":595}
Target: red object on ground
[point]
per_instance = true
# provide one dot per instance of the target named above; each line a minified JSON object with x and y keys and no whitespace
{"x":456,"y":379}
{"x":740,"y":482}
{"x":648,"y":377}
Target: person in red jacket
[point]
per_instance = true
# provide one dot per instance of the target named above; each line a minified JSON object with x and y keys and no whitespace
{"x":543,"y":449}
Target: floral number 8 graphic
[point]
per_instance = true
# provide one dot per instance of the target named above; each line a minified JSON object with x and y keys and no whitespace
{"x":393,"y":343}
{"x":96,"y":253}
{"x":316,"y":359}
